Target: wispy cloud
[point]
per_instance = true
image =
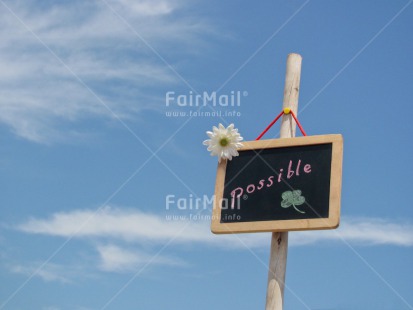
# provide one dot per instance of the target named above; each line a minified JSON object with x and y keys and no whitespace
{"x":49,"y":273}
{"x":125,"y":240}
{"x":362,"y":231}
{"x":108,"y":222}
{"x":120,"y":259}
{"x":42,"y":101}
{"x":132,"y":225}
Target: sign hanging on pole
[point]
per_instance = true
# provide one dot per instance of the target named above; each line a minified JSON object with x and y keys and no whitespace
{"x":280,"y":185}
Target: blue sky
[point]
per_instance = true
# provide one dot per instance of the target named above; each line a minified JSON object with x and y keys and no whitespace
{"x":89,"y":151}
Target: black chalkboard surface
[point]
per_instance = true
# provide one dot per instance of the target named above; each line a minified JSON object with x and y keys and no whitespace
{"x":279,"y":185}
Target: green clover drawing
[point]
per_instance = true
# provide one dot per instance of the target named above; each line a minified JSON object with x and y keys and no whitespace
{"x":292,"y":198}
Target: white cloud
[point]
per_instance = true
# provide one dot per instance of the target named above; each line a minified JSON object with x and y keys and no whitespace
{"x":132,"y":225}
{"x":42,"y":101}
{"x":118,"y":259}
{"x":49,"y":272}
{"x":108,"y":222}
{"x":125,"y":239}
{"x":362,"y":231}
{"x":148,"y":7}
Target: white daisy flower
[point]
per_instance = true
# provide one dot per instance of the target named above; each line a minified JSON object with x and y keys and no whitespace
{"x":223,"y":142}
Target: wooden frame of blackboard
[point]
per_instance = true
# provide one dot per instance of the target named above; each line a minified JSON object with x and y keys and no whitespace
{"x":330,"y":222}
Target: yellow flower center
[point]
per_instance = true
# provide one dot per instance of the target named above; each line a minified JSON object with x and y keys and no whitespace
{"x":223,"y":141}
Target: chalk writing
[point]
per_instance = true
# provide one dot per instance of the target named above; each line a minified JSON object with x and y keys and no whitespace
{"x":267,"y":182}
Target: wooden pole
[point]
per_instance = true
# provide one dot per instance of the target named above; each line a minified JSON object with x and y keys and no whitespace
{"x":279,"y":241}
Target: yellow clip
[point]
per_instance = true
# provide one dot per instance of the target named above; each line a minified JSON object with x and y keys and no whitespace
{"x":287,"y":110}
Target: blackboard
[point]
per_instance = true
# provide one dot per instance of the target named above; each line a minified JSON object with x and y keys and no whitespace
{"x":280,"y":185}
